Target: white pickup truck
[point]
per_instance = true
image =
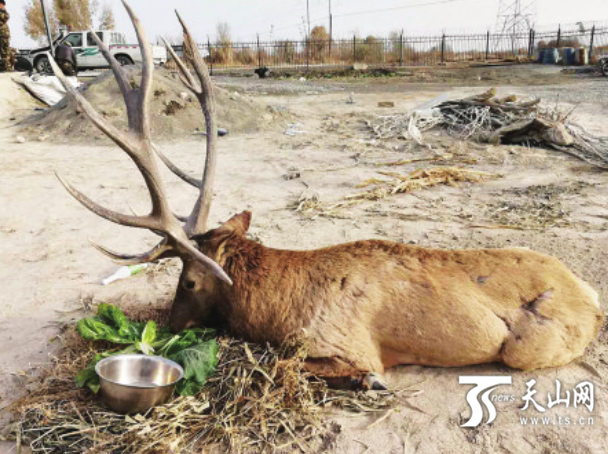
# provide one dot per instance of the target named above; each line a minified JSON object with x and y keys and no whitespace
{"x":87,"y":52}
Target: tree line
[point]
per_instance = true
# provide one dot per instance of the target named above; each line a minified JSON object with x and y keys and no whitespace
{"x":69,"y":14}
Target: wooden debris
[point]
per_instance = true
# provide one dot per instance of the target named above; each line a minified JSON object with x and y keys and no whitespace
{"x":507,"y":120}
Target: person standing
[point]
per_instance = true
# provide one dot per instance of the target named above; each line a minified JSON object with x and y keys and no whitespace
{"x":66,"y":59}
{"x":6,"y":57}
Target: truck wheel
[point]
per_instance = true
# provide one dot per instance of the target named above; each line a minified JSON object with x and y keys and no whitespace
{"x":124,"y":60}
{"x":22,"y":65}
{"x":605,"y":69}
{"x":43,"y":66}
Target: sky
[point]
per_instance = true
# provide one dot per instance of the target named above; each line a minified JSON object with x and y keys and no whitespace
{"x":282,"y":19}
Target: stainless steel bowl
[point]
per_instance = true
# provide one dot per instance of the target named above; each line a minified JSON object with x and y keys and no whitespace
{"x":135,"y":383}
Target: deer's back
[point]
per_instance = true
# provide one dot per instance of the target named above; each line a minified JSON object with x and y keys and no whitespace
{"x":386,"y":288}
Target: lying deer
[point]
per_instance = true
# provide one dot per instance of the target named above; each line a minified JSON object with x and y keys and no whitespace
{"x":364,"y":306}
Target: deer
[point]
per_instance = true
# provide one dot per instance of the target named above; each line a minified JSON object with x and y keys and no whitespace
{"x":363,"y":307}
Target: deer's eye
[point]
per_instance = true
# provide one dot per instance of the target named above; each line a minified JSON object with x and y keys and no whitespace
{"x":190,"y":285}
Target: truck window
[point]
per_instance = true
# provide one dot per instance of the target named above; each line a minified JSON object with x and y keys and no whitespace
{"x":91,"y":41}
{"x":75,"y":39}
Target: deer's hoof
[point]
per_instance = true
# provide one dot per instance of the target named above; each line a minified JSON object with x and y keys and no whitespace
{"x":374,"y":382}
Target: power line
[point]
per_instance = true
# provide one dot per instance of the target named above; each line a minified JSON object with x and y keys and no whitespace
{"x":396,"y":8}
{"x":374,"y":11}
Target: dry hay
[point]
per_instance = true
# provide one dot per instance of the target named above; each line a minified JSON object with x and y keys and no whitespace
{"x":534,"y":207}
{"x":174,"y":111}
{"x":260,"y":400}
{"x":311,"y":207}
{"x":418,"y":179}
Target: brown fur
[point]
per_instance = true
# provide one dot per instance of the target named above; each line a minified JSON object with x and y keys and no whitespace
{"x":371,"y":305}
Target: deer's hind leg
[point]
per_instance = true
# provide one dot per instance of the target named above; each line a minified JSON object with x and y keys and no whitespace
{"x":549,"y":331}
{"x":339,"y":374}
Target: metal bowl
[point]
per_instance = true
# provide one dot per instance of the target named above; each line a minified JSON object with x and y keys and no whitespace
{"x":136,"y":383}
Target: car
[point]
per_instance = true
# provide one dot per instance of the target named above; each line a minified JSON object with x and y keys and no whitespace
{"x":87,"y":52}
{"x":603,"y":60}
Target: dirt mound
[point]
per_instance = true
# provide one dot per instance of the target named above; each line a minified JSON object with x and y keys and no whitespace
{"x":174,"y":110}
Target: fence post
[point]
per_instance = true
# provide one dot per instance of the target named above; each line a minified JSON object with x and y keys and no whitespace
{"x":210,"y":57}
{"x":259,"y":52}
{"x":488,"y":47}
{"x":443,"y":48}
{"x":401,"y":49}
{"x":354,"y":49}
{"x":330,"y":34}
{"x":559,"y":36}
{"x":530,"y":44}
{"x":591,"y":42}
{"x":307,"y":53}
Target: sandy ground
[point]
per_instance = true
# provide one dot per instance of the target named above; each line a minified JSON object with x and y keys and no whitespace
{"x":49,"y":271}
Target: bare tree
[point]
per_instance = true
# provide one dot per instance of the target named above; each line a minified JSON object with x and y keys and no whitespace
{"x":34,"y":25}
{"x":318,"y":43}
{"x":223,"y":32}
{"x":106,"y":18}
{"x":223,"y":44}
{"x":75,"y":14}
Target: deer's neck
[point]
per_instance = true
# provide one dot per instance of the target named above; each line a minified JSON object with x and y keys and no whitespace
{"x":270,"y":299}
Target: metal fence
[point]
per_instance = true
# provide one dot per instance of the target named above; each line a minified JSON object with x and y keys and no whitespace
{"x":399,"y":50}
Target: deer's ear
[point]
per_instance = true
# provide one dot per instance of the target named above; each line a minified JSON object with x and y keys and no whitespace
{"x":238,"y":224}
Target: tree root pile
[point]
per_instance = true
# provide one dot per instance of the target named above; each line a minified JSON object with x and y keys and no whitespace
{"x":510,"y":120}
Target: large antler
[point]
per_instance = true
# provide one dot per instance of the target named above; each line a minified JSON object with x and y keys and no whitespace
{"x":137,"y":144}
{"x":203,"y":90}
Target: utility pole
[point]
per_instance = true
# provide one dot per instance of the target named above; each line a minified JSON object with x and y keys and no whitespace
{"x":308,"y":15}
{"x":331,"y":22}
{"x":330,"y":29}
{"x":48,"y":28}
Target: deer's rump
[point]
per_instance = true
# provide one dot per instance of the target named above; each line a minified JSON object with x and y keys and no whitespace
{"x":397,"y":304}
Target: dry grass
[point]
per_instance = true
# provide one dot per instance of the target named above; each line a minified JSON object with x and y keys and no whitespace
{"x":260,"y":400}
{"x":418,"y":179}
{"x":311,"y":207}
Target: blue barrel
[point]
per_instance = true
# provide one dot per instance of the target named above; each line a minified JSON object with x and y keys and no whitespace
{"x":551,"y":56}
{"x":569,"y":56}
{"x":541,"y":56}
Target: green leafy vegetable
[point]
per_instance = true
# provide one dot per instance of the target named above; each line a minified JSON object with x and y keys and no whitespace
{"x":147,"y":337}
{"x":199,"y":362}
{"x":188,"y":388}
{"x":114,"y":316}
{"x":88,"y":377}
{"x":194,"y":349}
{"x":95,"y":329}
{"x":149,"y":333}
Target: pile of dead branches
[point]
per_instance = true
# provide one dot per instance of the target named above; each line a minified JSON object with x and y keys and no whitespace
{"x":260,"y":400}
{"x":510,"y":120}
